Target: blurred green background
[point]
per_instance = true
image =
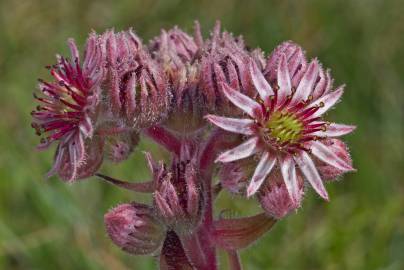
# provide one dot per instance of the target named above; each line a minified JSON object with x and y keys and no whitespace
{"x":52,"y":225}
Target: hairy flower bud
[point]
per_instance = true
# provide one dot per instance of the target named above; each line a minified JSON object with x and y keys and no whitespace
{"x":134,"y":228}
{"x":177,"y":53}
{"x":137,"y":85}
{"x":225,"y":60}
{"x":179,"y":196}
{"x":275,"y":198}
{"x":119,"y":147}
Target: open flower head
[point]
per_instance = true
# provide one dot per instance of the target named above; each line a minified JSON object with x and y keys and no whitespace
{"x":284,"y":125}
{"x":68,"y":108}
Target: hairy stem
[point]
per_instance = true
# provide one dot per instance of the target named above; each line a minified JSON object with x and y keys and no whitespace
{"x":164,"y":138}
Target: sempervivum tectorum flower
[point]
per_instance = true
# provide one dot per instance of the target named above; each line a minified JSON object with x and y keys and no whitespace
{"x":137,"y":87}
{"x":176,"y":53}
{"x":135,"y":228}
{"x":224,"y":60}
{"x":68,"y":110}
{"x":285,"y":127}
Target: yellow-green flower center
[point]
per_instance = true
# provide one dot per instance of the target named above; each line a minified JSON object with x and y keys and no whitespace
{"x":285,"y":127}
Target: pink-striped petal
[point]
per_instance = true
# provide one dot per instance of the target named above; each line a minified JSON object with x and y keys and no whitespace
{"x":309,"y":170}
{"x":241,"y":126}
{"x":264,"y":167}
{"x":335,"y":130}
{"x":260,"y":83}
{"x":327,"y":101}
{"x":326,"y":154}
{"x":284,"y":83}
{"x":306,"y":84}
{"x":244,"y":150}
{"x":245,"y":103}
{"x":288,"y":171}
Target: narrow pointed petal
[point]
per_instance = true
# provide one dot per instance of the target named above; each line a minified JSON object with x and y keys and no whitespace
{"x":325,"y":154}
{"x":244,"y":150}
{"x":335,"y":130}
{"x":241,"y":126}
{"x":289,"y":177}
{"x":284,"y":83}
{"x":260,"y":83}
{"x":245,"y":103}
{"x":327,"y":101}
{"x":306,"y":84}
{"x":309,"y":170}
{"x":261,"y":172}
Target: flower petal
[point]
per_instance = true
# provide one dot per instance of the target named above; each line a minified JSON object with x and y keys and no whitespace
{"x":260,"y":83}
{"x":284,"y":83}
{"x":325,"y":154}
{"x":245,"y":103}
{"x":335,"y":130}
{"x":327,"y":101}
{"x":244,"y":150}
{"x":264,"y":167}
{"x":241,"y":126}
{"x":289,"y":177}
{"x":307,"y":82}
{"x":309,"y":170}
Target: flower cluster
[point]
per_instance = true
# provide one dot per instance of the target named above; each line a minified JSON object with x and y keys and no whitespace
{"x":219,"y":108}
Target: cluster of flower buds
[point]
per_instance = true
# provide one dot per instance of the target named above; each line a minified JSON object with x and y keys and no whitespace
{"x":219,"y":109}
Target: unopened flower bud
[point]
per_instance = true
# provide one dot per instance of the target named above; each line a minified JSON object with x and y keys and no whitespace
{"x":179,"y":196}
{"x":119,"y":147}
{"x":135,"y":229}
{"x":296,"y":62}
{"x":226,"y":61}
{"x":234,"y":176}
{"x":178,"y":53}
{"x":275,"y":198}
{"x":137,"y":89}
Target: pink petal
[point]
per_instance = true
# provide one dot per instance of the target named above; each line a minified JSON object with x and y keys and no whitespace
{"x":86,"y":127}
{"x":327,"y":101}
{"x":326,"y":154}
{"x":264,"y":167}
{"x":260,"y":83}
{"x":306,"y":84}
{"x":309,"y":170}
{"x":289,"y":177}
{"x":245,"y":103}
{"x":284,"y":83}
{"x":335,"y":130}
{"x":241,"y":126}
{"x":244,"y":150}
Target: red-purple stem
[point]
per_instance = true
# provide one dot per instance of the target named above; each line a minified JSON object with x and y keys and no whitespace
{"x":164,"y":138}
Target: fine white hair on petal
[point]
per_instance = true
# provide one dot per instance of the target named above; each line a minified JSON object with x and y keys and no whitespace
{"x":241,"y":126}
{"x":260,"y":83}
{"x":264,"y":167}
{"x":335,"y":130}
{"x":309,"y":170}
{"x":249,"y":106}
{"x":327,"y":101}
{"x":325,"y":154}
{"x":244,"y":150}
{"x":284,"y":82}
{"x":306,"y":84}
{"x":288,"y":171}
